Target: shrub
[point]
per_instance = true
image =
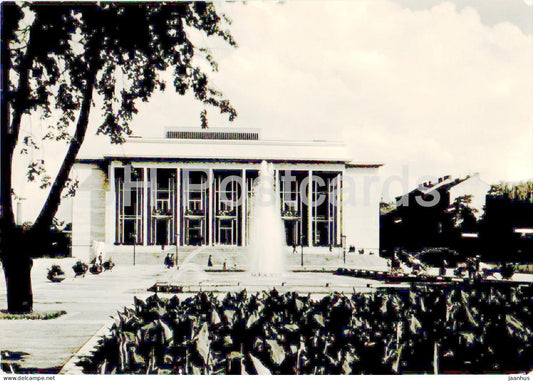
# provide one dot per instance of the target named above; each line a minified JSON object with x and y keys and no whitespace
{"x":469,"y":330}
{"x":80,"y":268}
{"x":55,"y":274}
{"x":507,"y":270}
{"x":96,"y":268}
{"x":108,"y":265}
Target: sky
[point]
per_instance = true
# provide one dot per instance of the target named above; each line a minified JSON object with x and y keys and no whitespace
{"x":426,"y":87}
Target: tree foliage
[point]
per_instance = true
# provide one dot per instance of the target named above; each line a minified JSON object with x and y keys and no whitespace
{"x":62,"y":56}
{"x":520,"y":192}
{"x":63,"y":59}
{"x":463,"y":213}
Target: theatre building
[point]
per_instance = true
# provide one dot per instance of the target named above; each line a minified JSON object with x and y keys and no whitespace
{"x":194,"y":187}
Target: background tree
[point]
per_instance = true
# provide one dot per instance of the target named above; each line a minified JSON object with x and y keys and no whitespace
{"x":464,"y":215}
{"x":62,"y":59}
{"x":522,"y":191}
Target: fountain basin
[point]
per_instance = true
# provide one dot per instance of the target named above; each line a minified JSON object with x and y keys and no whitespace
{"x":316,"y":282}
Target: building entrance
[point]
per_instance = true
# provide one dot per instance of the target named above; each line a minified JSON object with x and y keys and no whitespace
{"x":161,"y":227}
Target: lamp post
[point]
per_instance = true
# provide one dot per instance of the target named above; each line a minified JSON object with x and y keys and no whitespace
{"x":134,"y":236}
{"x":343,"y":243}
{"x":20,"y":220}
{"x":302,"y":253}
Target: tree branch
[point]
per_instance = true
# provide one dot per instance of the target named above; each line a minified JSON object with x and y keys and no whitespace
{"x":50,"y":207}
{"x":20,"y":98}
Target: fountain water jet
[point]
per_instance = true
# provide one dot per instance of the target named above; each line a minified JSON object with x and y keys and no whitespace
{"x":267,"y":244}
{"x":189,"y":273}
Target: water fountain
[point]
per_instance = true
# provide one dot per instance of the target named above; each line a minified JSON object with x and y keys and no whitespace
{"x":267,"y":247}
{"x":188,"y":273}
{"x":267,"y":255}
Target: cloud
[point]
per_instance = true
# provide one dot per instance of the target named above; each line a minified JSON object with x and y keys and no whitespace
{"x":434,"y":89}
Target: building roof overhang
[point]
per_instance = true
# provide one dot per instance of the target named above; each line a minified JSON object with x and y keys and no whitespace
{"x":364,"y":165}
{"x":226,"y":150}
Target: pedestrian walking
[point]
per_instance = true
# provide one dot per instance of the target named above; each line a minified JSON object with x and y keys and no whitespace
{"x":442,"y":271}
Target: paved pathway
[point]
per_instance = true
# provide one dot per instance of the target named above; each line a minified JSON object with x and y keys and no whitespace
{"x":89,"y":303}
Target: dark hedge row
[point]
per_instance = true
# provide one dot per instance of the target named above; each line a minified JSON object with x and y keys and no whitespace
{"x":423,"y":330}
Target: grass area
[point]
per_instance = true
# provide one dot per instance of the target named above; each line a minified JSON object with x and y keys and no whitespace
{"x":4,"y":315}
{"x":526,"y":268}
{"x":10,"y":361}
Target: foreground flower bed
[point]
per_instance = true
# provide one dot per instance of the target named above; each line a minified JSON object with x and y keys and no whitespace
{"x":424,"y":330}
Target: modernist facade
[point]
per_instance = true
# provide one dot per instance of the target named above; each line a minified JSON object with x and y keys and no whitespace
{"x":194,"y":187}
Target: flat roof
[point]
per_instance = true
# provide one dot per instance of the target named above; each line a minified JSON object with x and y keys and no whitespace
{"x":368,"y":165}
{"x":225,"y":149}
{"x":222,"y":149}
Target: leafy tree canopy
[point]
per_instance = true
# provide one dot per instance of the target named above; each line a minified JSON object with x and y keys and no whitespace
{"x":520,"y":192}
{"x":59,"y":58}
{"x":463,"y":213}
{"x":59,"y":55}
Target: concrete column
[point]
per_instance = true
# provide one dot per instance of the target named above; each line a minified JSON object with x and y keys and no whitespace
{"x":177,"y":212}
{"x":341,"y":192}
{"x":110,"y":206}
{"x":184,"y":203}
{"x":145,"y":207}
{"x":211,"y":205}
{"x":244,"y":217}
{"x":339,"y":208}
{"x":310,"y":210}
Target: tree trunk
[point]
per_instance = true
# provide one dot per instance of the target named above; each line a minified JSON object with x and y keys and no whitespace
{"x":17,"y":271}
{"x":16,"y":261}
{"x":51,"y":205}
{"x":18,"y":247}
{"x":18,"y":283}
{"x":6,"y":151}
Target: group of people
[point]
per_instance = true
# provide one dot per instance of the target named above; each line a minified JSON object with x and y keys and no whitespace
{"x":169,"y":261}
{"x":399,"y":258}
{"x":427,"y":329}
{"x":473,"y":267}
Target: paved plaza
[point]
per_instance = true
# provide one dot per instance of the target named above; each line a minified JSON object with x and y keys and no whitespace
{"x":92,"y":300}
